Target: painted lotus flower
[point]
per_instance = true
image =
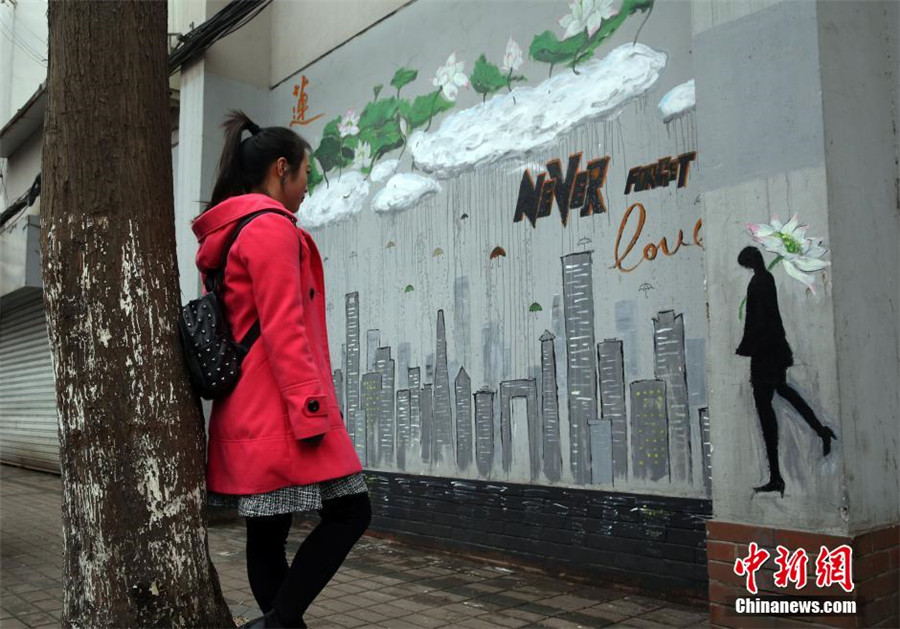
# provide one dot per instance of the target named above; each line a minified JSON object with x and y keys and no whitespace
{"x":512,"y":59}
{"x":450,"y":77}
{"x":362,"y":157}
{"x":349,"y":124}
{"x":586,"y":15}
{"x":801,"y":256}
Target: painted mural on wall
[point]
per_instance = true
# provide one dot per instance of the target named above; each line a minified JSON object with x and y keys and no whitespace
{"x":477,"y":340}
{"x":765,"y":341}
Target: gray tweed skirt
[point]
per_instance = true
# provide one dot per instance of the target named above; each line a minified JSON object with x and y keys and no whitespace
{"x":297,"y":498}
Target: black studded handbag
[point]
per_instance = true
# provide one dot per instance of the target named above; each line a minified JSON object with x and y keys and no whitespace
{"x":212,"y":355}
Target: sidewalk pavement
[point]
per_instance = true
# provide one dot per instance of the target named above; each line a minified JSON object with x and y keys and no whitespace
{"x":382,"y":584}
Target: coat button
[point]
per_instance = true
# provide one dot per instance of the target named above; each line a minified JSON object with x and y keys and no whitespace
{"x":312,"y":292}
{"x":313,"y":406}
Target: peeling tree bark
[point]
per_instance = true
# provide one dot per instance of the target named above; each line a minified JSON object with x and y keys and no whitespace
{"x":131,"y":430}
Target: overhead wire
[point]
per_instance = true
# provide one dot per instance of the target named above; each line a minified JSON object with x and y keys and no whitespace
{"x":230,"y":18}
{"x":24,"y":45}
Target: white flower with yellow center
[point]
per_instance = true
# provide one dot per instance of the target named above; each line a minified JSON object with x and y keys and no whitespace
{"x":801,"y":256}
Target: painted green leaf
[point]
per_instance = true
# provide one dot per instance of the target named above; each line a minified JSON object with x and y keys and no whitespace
{"x":379,"y":113}
{"x":535,"y":307}
{"x":409,"y":288}
{"x":328,"y":152}
{"x":575,"y":49}
{"x":379,"y":125}
{"x":331,"y":128}
{"x":420,"y":112}
{"x":486,"y":78}
{"x":404,"y":76}
{"x":377,"y":90}
{"x":548,"y":49}
{"x":315,"y":177}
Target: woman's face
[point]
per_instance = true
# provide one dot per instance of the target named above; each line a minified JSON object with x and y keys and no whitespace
{"x":295,"y":186}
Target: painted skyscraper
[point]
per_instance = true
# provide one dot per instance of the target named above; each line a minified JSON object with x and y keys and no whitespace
{"x":508,"y":391}
{"x":352,"y":397}
{"x":550,"y":408}
{"x":371,"y":401}
{"x":443,"y":418}
{"x":484,"y":431}
{"x":578,"y":304}
{"x":669,"y":366}
{"x":403,"y":417}
{"x":649,"y":431}
{"x":706,"y":449}
{"x":384,"y":365}
{"x":612,"y":402}
{"x":464,"y":427}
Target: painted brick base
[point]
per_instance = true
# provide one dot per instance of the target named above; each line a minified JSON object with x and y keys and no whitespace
{"x":876,"y":575}
{"x":638,"y":542}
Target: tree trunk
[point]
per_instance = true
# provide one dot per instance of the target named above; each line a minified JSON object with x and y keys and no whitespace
{"x":131,"y":430}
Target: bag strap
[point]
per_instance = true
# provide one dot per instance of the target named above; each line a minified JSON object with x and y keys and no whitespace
{"x":215,"y":277}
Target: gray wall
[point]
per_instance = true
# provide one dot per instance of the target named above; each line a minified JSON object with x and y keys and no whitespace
{"x":783,"y":139}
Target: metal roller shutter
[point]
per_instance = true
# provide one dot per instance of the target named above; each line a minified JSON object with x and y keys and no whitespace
{"x":28,"y":423}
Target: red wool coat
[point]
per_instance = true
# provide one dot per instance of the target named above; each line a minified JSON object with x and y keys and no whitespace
{"x":285,"y":393}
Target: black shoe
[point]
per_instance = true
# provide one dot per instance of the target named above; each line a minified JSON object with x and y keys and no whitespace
{"x":269,"y":621}
{"x":776,"y":484}
{"x":827,"y":435}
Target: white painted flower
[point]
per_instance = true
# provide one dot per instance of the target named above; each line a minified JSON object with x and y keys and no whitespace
{"x":450,"y":77}
{"x":512,"y":59}
{"x":586,"y":15}
{"x":349,"y":124}
{"x":404,"y":127}
{"x":800,"y":255}
{"x":362,"y":156}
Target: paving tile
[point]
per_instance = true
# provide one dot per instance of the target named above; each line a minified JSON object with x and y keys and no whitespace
{"x":502,"y":619}
{"x":603,"y":614}
{"x":675,"y":617}
{"x":476,"y":623}
{"x":346,"y":621}
{"x":561,"y":623}
{"x":522,"y":614}
{"x":641,"y":623}
{"x":366,"y":614}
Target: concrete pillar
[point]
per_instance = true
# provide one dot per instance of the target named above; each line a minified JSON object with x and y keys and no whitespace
{"x":189,"y":176}
{"x":797,"y":113}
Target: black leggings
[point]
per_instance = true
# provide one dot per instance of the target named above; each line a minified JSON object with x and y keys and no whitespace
{"x":762,"y":396}
{"x":292,"y":590}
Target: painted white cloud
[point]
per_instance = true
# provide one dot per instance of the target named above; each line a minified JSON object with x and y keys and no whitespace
{"x":529,"y":117}
{"x":403,"y":191}
{"x":342,"y":197}
{"x":385,"y":169}
{"x":678,"y":101}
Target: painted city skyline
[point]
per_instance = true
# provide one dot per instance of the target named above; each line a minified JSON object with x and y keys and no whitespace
{"x":445,"y":428}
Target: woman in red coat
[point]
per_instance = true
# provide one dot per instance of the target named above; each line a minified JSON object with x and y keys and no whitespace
{"x":277,"y":442}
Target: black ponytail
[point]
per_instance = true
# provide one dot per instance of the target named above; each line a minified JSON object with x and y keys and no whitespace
{"x":244,"y":163}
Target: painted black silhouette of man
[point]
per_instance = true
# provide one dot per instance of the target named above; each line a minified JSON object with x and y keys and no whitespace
{"x":770,"y":355}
